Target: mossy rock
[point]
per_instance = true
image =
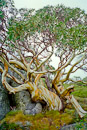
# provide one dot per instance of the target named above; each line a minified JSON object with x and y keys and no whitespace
{"x":42,"y":121}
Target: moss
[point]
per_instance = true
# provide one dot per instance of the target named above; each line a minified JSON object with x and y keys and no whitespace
{"x":49,"y":120}
{"x":43,"y":121}
{"x":13,"y":113}
{"x":11,"y":126}
{"x":15,"y":116}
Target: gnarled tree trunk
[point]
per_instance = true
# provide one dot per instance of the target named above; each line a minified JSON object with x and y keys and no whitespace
{"x":40,"y":93}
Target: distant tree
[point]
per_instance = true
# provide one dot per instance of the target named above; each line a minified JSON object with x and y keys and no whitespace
{"x":32,"y":38}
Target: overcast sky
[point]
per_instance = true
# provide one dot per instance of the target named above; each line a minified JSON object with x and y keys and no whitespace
{"x":37,"y":4}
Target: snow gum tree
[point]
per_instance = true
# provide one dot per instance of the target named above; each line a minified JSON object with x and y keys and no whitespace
{"x":31,"y":39}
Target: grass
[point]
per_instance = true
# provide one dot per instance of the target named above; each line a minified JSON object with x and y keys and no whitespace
{"x":80,"y":93}
{"x":79,"y":90}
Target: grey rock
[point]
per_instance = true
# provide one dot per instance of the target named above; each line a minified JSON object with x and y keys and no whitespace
{"x":75,"y":126}
{"x":27,"y":123}
{"x":35,"y":110}
{"x":38,"y":108}
{"x":25,"y":126}
{"x":22,"y":99}
{"x":4,"y":101}
{"x":19,"y":123}
{"x":24,"y":103}
{"x":27,"y":112}
{"x":30,"y":106}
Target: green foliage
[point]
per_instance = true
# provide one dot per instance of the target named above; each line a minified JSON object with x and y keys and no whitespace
{"x":2,"y":3}
{"x":67,"y":26}
{"x":1,"y":14}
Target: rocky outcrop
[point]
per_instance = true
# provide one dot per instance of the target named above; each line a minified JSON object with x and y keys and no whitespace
{"x":4,"y":101}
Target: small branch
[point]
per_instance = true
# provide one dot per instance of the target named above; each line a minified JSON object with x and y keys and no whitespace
{"x":69,"y":72}
{"x":17,"y":63}
{"x":46,"y":59}
{"x":77,"y":81}
{"x":60,"y":69}
{"x":37,"y":79}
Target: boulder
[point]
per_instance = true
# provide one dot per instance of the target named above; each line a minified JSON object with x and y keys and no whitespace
{"x":22,"y":99}
{"x":24,"y":103}
{"x":4,"y":101}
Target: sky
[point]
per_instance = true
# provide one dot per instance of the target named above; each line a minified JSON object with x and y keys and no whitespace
{"x":37,"y":4}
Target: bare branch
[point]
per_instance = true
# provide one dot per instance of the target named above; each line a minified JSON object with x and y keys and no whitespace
{"x":17,"y":63}
{"x":59,"y":70}
{"x":69,"y":72}
{"x":46,"y":59}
